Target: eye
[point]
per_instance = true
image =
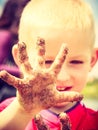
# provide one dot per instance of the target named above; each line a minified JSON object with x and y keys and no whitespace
{"x":76,"y":62}
{"x":48,"y":62}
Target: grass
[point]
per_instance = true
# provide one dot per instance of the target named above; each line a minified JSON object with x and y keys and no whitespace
{"x":91,"y":89}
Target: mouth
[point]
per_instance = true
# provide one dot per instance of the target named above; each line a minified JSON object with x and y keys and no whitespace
{"x":63,"y":88}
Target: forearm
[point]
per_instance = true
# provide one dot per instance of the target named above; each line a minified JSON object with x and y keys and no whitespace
{"x":14,"y":117}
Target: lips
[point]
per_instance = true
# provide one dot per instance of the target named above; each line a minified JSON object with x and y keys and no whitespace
{"x":63,"y":88}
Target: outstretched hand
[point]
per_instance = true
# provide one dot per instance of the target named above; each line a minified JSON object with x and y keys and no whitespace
{"x":37,"y":89}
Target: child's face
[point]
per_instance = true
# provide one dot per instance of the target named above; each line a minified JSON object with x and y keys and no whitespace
{"x":78,"y":63}
{"x":73,"y":75}
{"x":74,"y":72}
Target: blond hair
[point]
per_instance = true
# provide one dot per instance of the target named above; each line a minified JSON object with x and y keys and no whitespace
{"x":69,"y":14}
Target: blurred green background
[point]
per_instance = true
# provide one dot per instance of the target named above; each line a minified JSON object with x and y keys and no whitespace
{"x":90,"y":94}
{"x":91,"y":89}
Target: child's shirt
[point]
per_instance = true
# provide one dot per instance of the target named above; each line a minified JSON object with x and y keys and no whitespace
{"x":81,"y":118}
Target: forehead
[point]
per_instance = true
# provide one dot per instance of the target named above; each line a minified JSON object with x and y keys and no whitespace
{"x":77,"y":41}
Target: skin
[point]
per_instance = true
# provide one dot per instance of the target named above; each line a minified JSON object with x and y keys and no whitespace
{"x":50,"y":80}
{"x":74,"y":72}
{"x":65,"y":121}
{"x":71,"y":74}
{"x":31,"y":96}
{"x":40,"y":123}
{"x":37,"y":89}
{"x":79,"y":61}
{"x":62,"y":72}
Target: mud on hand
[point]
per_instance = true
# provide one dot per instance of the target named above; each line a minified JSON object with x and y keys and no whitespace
{"x":37,"y":90}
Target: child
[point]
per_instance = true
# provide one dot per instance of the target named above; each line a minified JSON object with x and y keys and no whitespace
{"x":65,"y":21}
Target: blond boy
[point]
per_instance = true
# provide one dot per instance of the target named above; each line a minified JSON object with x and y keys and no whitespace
{"x":57,"y":22}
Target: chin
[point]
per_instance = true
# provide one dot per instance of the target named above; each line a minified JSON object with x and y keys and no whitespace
{"x":63,"y":104}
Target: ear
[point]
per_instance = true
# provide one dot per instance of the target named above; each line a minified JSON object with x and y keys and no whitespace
{"x":94,"y":58}
{"x":15,"y":54}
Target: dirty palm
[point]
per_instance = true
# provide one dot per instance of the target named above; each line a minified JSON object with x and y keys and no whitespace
{"x":37,"y":88}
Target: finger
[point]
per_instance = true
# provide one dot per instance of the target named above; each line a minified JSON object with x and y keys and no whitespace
{"x":24,"y":60}
{"x":40,"y":123}
{"x":60,"y":58}
{"x":10,"y":79}
{"x":64,"y":121}
{"x":40,"y":46}
{"x":68,"y":96}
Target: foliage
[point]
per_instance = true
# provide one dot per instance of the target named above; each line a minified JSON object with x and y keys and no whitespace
{"x":91,"y":89}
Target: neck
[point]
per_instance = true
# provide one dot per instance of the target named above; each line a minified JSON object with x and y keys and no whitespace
{"x":58,"y":109}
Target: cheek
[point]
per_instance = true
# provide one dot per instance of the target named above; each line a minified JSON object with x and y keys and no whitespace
{"x":80,"y":80}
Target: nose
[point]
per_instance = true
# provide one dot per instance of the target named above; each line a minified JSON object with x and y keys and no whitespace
{"x":63,"y":77}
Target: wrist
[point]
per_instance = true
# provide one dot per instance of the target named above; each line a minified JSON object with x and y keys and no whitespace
{"x":22,"y":110}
